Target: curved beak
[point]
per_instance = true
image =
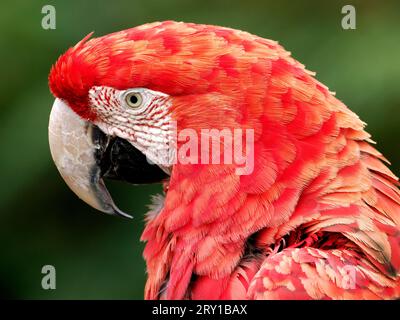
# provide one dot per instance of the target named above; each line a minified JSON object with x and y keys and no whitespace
{"x":77,"y":148}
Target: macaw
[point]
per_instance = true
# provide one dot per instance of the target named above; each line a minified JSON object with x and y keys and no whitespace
{"x":318,"y":217}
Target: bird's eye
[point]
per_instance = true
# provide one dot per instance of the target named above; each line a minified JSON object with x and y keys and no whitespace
{"x":134,"y":99}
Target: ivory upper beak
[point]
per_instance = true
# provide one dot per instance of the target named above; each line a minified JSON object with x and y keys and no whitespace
{"x":73,"y":146}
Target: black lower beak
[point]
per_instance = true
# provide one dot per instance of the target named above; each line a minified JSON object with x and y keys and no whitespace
{"x":122,"y":161}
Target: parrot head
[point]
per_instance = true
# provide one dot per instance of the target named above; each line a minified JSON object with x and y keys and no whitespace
{"x":120,"y":97}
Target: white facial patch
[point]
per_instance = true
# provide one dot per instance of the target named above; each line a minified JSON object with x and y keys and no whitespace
{"x":138,"y":115}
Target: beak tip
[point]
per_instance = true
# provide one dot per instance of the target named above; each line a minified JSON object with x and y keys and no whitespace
{"x":120,"y":213}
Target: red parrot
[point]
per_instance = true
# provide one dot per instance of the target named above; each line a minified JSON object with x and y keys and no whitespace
{"x":318,"y":217}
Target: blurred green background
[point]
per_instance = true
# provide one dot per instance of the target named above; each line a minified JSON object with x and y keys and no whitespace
{"x":98,"y":256}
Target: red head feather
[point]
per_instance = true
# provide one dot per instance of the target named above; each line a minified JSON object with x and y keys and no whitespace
{"x":175,"y":58}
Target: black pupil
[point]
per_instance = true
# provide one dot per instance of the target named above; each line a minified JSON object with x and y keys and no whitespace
{"x":133,"y":99}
